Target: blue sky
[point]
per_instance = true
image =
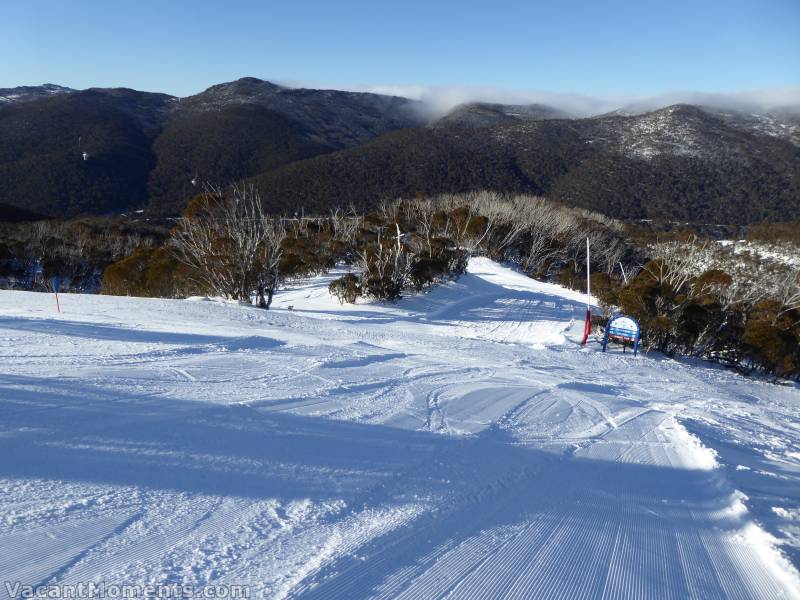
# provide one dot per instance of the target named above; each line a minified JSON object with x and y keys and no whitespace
{"x":594,"y":48}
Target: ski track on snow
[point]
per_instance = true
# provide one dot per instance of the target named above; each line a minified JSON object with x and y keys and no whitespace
{"x":454,"y":445}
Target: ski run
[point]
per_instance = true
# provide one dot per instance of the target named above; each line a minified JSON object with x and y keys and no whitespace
{"x":457,"y":444}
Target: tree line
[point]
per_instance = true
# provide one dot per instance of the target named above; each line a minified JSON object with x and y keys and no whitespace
{"x":693,"y":296}
{"x":694,"y":299}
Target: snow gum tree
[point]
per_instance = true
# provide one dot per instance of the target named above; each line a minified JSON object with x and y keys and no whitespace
{"x":232,"y":245}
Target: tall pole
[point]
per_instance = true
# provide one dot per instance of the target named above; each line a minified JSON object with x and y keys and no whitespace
{"x":54,"y":283}
{"x":587,"y":326}
{"x":588,"y":281}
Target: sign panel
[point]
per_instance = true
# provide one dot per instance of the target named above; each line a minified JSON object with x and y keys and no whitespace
{"x":621,"y":328}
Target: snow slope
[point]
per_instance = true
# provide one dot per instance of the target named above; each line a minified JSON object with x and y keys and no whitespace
{"x":458,"y":444}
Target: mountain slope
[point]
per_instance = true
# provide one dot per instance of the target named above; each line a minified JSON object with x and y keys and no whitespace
{"x":332,"y":118}
{"x":26,"y":93}
{"x":679,"y":163}
{"x":236,"y":130}
{"x":457,"y":444}
{"x":42,"y":142}
{"x":321,"y":148}
{"x":150,"y":146}
{"x":483,"y":114}
{"x":780,"y":122}
{"x":220,"y":147}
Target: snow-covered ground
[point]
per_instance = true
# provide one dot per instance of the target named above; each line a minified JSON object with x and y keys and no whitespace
{"x":457,"y":444}
{"x":784,"y":253}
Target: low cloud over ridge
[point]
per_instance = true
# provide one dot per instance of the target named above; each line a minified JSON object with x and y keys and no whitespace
{"x":440,"y":99}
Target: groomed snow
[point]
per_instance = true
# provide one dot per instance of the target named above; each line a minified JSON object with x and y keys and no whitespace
{"x":458,"y":444}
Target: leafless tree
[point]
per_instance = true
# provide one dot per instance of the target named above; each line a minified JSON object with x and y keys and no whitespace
{"x":231,"y":244}
{"x":789,"y":292}
{"x":344,"y":225}
{"x":678,"y":262}
{"x":421,"y":211}
{"x":385,"y":266}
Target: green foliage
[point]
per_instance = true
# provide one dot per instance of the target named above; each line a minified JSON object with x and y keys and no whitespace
{"x":699,"y":318}
{"x":447,"y":262}
{"x":771,"y":339}
{"x":149,"y":272}
{"x":308,"y":253}
{"x":128,"y":276}
{"x":167,"y":277}
{"x":572,"y":277}
{"x":605,"y":288}
{"x":383,"y":287}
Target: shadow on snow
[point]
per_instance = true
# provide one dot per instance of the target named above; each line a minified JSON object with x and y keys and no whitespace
{"x":536,"y":506}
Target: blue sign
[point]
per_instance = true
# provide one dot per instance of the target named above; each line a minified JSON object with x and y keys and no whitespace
{"x":621,"y":328}
{"x":54,"y":283}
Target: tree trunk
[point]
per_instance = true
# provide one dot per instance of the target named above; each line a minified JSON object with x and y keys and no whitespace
{"x":272,"y":286}
{"x":263,"y":302}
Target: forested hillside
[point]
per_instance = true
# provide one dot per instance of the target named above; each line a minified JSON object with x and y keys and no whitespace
{"x":66,"y":153}
{"x":680,"y":163}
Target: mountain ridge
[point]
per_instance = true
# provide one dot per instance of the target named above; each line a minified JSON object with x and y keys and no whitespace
{"x":486,"y":114}
{"x":316,"y":148}
{"x":628,"y":167}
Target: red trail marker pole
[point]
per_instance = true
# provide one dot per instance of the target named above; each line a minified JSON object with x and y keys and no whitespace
{"x":55,"y":284}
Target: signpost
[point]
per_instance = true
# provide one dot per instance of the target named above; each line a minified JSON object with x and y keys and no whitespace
{"x":54,"y":283}
{"x":623,"y":329}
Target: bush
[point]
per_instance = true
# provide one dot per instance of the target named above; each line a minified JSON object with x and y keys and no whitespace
{"x":770,"y":347}
{"x":771,"y":339}
{"x":149,"y":272}
{"x":128,"y":276}
{"x":346,"y":288}
{"x":383,"y":288}
{"x":167,"y":277}
{"x":708,"y":316}
{"x":572,"y":278}
{"x":606,"y":289}
{"x":306,"y":256}
{"x":446,"y":263}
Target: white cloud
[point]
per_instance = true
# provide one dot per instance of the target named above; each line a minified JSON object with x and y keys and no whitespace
{"x":440,"y":99}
